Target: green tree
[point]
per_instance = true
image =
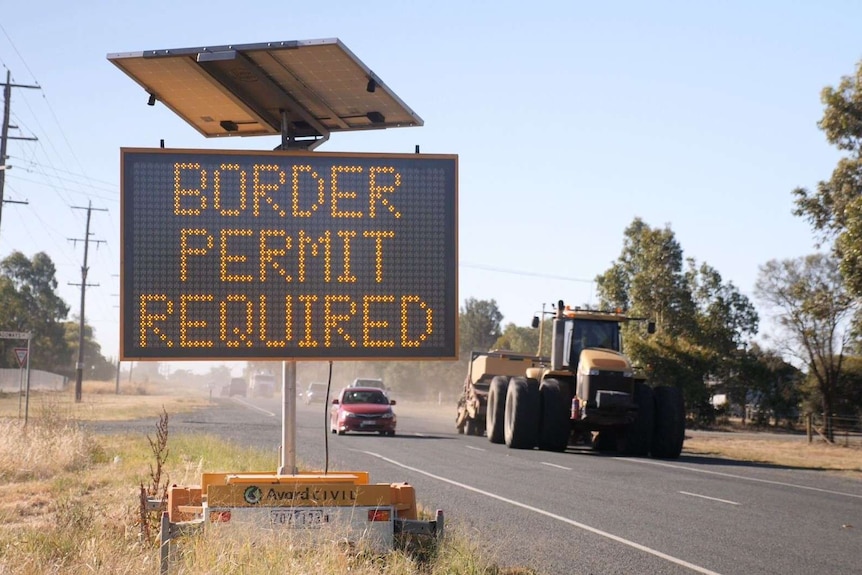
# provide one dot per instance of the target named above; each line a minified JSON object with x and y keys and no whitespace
{"x":812,"y":307}
{"x":30,"y":303}
{"x":725,"y":319}
{"x":647,"y":279}
{"x":480,"y":325}
{"x":770,"y":384}
{"x":96,"y":366}
{"x":835,"y":208}
{"x":520,"y":339}
{"x":850,"y":388}
{"x":701,"y":321}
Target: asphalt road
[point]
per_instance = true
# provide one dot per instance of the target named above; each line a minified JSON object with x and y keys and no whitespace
{"x":579,"y":511}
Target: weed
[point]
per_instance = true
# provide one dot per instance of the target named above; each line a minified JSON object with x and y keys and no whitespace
{"x":157,"y":490}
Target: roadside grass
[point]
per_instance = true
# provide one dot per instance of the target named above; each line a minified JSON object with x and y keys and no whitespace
{"x":818,"y":455}
{"x":70,"y":504}
{"x":100,"y":402}
{"x":69,"y":499}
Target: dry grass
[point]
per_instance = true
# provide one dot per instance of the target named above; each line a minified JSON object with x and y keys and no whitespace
{"x":74,"y":509}
{"x":100,"y":402}
{"x":818,"y":455}
{"x":68,"y":499}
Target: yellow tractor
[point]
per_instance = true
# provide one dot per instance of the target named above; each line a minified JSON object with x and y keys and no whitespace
{"x":589,"y":390}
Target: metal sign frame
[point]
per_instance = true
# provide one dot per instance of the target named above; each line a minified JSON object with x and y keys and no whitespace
{"x":272,"y":255}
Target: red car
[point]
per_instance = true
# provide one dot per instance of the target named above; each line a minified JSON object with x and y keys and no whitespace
{"x":362,"y":409}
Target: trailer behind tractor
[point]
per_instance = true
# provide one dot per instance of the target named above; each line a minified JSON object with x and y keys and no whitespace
{"x":483,"y":367}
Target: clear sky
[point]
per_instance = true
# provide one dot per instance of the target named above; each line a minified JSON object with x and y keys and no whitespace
{"x":569,"y":118}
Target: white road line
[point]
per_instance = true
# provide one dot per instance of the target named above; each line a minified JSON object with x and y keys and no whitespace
{"x":710,"y":498}
{"x":571,"y":522}
{"x":250,"y":406}
{"x":555,"y":465}
{"x":475,"y":448}
{"x":754,"y":479}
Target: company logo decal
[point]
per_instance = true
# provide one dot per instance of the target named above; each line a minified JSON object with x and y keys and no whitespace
{"x":252,"y":495}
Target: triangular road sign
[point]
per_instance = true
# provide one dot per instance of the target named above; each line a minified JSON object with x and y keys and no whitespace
{"x":21,"y":354}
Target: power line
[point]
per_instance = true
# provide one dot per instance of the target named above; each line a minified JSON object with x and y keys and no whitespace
{"x":523,"y":273}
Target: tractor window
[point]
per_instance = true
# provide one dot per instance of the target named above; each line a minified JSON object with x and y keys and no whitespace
{"x":602,"y":334}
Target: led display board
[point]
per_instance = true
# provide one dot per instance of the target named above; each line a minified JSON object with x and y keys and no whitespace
{"x":237,"y":255}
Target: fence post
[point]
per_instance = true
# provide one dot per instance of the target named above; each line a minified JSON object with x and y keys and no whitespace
{"x":165,"y":547}
{"x":808,"y":426}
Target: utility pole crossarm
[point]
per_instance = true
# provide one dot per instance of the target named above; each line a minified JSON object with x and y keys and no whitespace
{"x":4,"y":132}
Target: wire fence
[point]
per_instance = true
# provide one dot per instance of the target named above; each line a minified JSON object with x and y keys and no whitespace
{"x":846,"y":430}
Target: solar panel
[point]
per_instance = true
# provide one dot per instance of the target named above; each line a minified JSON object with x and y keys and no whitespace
{"x":302,"y":90}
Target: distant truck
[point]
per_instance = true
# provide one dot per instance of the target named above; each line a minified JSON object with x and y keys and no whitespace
{"x":262,"y":385}
{"x":483,"y":367}
{"x":237,"y":386}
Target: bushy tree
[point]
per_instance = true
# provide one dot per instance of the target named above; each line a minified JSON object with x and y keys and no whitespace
{"x":812,"y":306}
{"x":29,"y":302}
{"x":647,"y":279}
{"x":480,"y":325}
{"x":520,"y":339}
{"x":96,"y":366}
{"x":701,"y":321}
{"x":835,"y":208}
{"x":771,"y":385}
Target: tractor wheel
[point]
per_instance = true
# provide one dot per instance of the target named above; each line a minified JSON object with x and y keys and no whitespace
{"x":496,"y":418}
{"x":471,"y":426}
{"x":556,"y":416}
{"x":638,"y":436}
{"x":461,"y":420}
{"x":522,"y":413}
{"x":605,"y":440}
{"x":669,"y":430}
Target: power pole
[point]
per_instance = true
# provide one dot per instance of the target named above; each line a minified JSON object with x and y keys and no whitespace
{"x":79,"y":366}
{"x":4,"y":133}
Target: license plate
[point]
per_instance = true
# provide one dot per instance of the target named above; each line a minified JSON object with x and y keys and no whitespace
{"x":368,"y":423}
{"x":298,"y":518}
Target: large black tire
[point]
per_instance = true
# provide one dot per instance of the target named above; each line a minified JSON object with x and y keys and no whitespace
{"x":638,"y":437}
{"x":556,"y":420}
{"x":605,"y":440}
{"x":496,"y":418}
{"x":471,"y":426}
{"x":461,"y":419}
{"x":669,"y":430}
{"x":522,"y":413}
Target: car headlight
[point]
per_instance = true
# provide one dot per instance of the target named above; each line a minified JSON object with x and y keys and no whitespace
{"x":348,"y":414}
{"x":594,"y":372}
{"x":389,"y":415}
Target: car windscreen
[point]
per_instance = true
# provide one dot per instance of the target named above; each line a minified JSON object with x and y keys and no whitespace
{"x":365,"y":397}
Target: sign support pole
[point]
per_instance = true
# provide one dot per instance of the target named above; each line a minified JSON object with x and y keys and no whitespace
{"x":20,"y":388}
{"x":287,"y":465}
